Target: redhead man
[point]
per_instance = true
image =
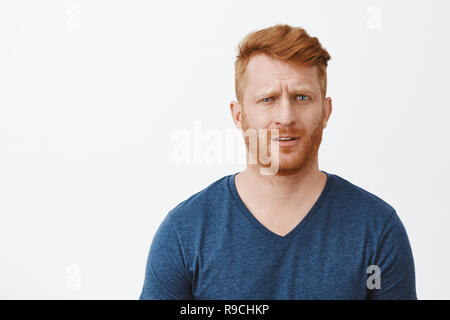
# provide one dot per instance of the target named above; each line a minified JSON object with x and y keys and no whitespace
{"x":282,"y":228}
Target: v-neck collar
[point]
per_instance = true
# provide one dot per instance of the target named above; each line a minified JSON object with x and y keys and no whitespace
{"x":301,"y":225}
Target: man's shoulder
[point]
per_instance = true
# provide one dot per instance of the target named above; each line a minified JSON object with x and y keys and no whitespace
{"x":356,"y":199}
{"x":205,"y":200}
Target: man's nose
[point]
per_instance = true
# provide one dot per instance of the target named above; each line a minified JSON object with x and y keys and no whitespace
{"x":284,"y":113}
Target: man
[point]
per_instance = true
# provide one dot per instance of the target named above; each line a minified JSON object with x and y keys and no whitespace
{"x":281,"y":229}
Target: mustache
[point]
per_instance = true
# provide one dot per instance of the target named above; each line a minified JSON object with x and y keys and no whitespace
{"x":269,"y":134}
{"x":281,"y":132}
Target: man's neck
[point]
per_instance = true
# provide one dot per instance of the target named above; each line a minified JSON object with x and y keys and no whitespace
{"x":287,"y":191}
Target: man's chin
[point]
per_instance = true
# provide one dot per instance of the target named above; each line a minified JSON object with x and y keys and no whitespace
{"x":285,"y":166}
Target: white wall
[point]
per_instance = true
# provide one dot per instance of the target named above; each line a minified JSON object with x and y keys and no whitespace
{"x":93,"y":94}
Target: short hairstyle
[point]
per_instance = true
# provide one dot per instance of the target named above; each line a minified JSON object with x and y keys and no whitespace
{"x":282,"y":42}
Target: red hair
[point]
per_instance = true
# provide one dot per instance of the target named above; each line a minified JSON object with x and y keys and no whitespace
{"x":282,"y":42}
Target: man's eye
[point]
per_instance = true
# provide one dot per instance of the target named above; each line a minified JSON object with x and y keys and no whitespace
{"x":266,"y":99}
{"x":303,"y":97}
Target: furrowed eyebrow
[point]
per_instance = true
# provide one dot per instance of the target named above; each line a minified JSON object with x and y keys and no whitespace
{"x":304,"y":91}
{"x":267,"y":93}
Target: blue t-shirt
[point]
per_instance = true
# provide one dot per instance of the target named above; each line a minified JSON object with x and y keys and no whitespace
{"x":350,"y":245}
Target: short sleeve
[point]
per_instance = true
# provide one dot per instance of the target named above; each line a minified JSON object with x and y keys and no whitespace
{"x":396,"y":264}
{"x":166,"y":277}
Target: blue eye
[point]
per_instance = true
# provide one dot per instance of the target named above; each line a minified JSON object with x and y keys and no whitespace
{"x":302,"y":98}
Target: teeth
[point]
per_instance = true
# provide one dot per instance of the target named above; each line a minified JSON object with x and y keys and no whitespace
{"x":285,"y":139}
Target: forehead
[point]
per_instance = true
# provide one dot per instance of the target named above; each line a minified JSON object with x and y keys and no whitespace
{"x":265,"y":72}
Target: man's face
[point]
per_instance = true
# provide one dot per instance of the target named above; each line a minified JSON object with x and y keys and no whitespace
{"x":285,"y":96}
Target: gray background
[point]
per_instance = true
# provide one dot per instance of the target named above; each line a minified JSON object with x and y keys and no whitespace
{"x":95,"y":94}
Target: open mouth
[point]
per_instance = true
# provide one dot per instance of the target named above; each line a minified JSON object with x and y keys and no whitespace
{"x":286,"y":141}
{"x":285,"y":138}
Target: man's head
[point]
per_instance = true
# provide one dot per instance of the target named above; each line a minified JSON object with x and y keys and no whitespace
{"x":281,"y":84}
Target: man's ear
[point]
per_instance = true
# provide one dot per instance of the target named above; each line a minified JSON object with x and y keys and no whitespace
{"x":236,"y":113}
{"x":327,"y":109}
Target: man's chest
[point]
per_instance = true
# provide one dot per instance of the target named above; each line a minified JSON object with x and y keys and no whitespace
{"x":241,"y":271}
